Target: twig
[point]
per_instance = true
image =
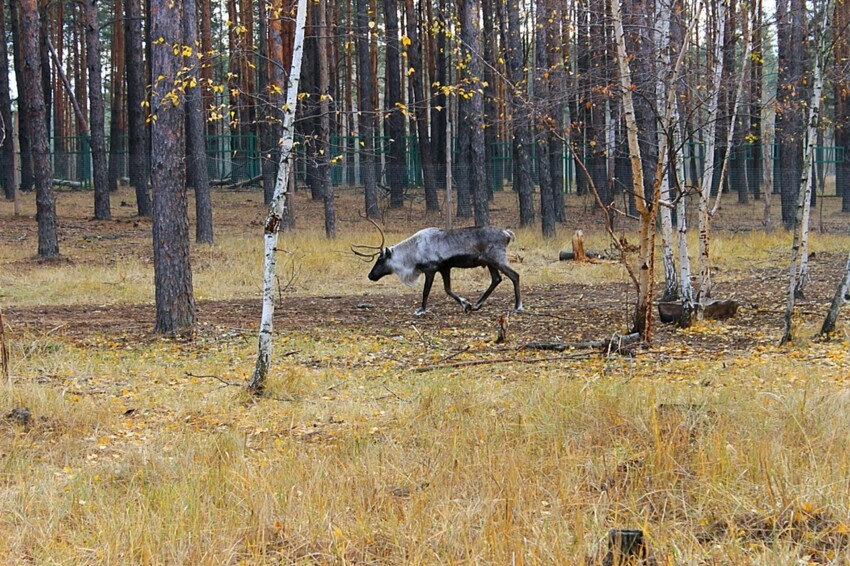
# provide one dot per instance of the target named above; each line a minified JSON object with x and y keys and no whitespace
{"x":575,"y":356}
{"x":4,"y":350}
{"x":613,"y":344}
{"x":217,"y":378}
{"x":456,"y":354}
{"x":393,"y":393}
{"x":226,"y":383}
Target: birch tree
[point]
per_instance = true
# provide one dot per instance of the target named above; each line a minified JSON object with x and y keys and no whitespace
{"x":664,"y":41}
{"x":7,"y":147}
{"x":646,"y":202}
{"x":703,"y":211}
{"x":838,"y":300}
{"x":799,"y":256}
{"x":276,"y":208}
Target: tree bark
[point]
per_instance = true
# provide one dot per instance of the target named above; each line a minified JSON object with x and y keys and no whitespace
{"x":366,"y":130}
{"x":420,"y":108}
{"x":838,"y":300}
{"x":175,"y":303}
{"x":32,"y":106}
{"x":471,"y":53}
{"x":394,"y":124}
{"x":325,"y":124}
{"x":97,"y":120}
{"x":118,"y":115}
{"x":790,"y":96}
{"x":7,"y":145}
{"x":24,"y":132}
{"x":841,"y":52}
{"x":136,"y":113}
{"x":520,"y":123}
{"x":542,"y":99}
{"x":197,"y":175}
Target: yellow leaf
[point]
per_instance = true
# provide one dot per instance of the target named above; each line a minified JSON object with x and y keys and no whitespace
{"x":405,"y":41}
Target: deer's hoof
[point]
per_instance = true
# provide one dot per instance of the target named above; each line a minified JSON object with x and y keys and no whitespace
{"x":421,"y":312}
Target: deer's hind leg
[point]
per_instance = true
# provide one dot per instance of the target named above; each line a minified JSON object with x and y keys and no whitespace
{"x":447,"y":284}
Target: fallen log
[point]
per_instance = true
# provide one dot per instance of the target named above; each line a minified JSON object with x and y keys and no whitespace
{"x":68,"y":183}
{"x":227,"y":184}
{"x":567,"y":256}
{"x":615,"y":344}
{"x":721,"y":309}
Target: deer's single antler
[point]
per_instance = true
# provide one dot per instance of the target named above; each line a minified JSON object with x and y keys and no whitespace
{"x":373,"y":254}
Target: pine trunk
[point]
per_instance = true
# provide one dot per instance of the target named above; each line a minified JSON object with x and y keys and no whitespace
{"x":197,"y":175}
{"x":325,"y":122}
{"x":520,"y":122}
{"x":790,"y":96}
{"x":136,"y":114}
{"x":32,"y":106}
{"x":420,"y":108}
{"x":175,"y":303}
{"x":841,"y":94}
{"x":367,"y":110}
{"x":118,"y":115}
{"x":394,"y":124}
{"x":541,"y":94}
{"x":97,"y":120}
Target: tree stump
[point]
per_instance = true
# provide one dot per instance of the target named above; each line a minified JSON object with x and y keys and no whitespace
{"x":578,"y":246}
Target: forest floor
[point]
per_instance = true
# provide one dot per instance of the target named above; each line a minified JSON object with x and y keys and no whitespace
{"x":390,"y":438}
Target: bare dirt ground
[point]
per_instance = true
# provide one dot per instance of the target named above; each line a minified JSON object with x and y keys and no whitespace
{"x":553,"y":313}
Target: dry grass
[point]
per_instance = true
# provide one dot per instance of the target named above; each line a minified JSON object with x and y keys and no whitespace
{"x":722,"y":459}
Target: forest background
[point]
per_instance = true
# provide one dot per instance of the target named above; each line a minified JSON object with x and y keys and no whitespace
{"x":380,"y":437}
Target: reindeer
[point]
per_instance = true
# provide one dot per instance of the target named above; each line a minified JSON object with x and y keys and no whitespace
{"x":432,"y":250}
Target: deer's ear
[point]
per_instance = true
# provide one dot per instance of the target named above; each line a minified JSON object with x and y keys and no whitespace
{"x":388,"y":253}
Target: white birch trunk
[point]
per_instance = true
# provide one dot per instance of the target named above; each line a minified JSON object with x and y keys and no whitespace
{"x":646,"y":207}
{"x":643,"y":312}
{"x":276,"y":208}
{"x":710,"y":148}
{"x":671,"y":283}
{"x":730,"y":135}
{"x":804,"y":199}
{"x":837,"y":301}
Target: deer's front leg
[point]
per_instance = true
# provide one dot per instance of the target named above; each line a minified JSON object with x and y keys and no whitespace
{"x":426,"y":290}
